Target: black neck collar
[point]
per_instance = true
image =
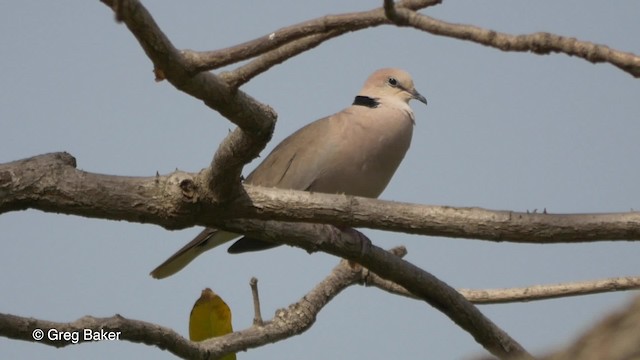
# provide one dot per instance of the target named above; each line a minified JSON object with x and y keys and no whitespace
{"x":366,"y":101}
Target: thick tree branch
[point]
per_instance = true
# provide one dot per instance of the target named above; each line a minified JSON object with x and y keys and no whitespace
{"x":51,"y":183}
{"x":255,"y":120}
{"x":238,"y":107}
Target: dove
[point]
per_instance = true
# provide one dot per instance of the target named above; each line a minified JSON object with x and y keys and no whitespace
{"x":355,"y":152}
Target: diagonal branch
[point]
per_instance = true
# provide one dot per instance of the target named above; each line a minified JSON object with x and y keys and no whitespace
{"x":354,"y":246}
{"x":540,"y":43}
{"x":243,"y":74}
{"x":255,"y":120}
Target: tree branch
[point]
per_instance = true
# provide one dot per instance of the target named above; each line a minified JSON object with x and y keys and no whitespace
{"x":294,"y":320}
{"x":523,"y":294}
{"x":243,"y":74}
{"x":137,"y":331}
{"x":282,"y":44}
{"x":288,"y":322}
{"x":299,"y":38}
{"x":290,"y":35}
{"x":185,"y":70}
{"x":51,"y":183}
{"x":354,"y":246}
{"x":541,"y":43}
{"x":255,"y":120}
{"x":553,"y":291}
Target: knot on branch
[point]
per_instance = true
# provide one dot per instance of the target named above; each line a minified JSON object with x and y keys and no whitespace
{"x":189,"y":188}
{"x":65,"y":159}
{"x":6,"y":178}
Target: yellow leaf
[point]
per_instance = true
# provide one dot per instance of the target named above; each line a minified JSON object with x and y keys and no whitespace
{"x":210,"y":317}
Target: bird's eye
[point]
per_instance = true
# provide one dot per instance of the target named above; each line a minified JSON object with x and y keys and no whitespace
{"x":392,"y":81}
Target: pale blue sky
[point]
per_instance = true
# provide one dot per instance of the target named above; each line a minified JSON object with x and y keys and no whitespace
{"x":502,"y":131}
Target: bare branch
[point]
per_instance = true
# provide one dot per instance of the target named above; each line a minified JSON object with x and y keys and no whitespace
{"x":319,"y":28}
{"x":185,"y":69}
{"x":294,"y":320}
{"x":468,"y":223}
{"x":236,"y":106}
{"x":539,"y":43}
{"x":243,"y":74}
{"x":256,"y":120}
{"x":299,"y":38}
{"x":282,"y":44}
{"x":524,"y":294}
{"x":21,"y":328}
{"x":352,"y":245}
{"x":553,"y":291}
{"x":51,"y":183}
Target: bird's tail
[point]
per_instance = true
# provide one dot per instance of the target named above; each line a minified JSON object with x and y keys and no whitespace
{"x":207,"y":239}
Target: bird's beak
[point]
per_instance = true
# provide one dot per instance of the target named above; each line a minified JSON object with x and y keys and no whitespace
{"x":416,"y":95}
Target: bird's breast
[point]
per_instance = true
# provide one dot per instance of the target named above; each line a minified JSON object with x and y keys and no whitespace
{"x":367,"y":154}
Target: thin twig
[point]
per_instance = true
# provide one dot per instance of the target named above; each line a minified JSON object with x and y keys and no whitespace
{"x":257,"y":318}
{"x":289,"y":35}
{"x":525,"y":294}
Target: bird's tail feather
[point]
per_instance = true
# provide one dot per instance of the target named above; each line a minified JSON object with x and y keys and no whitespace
{"x":207,"y":239}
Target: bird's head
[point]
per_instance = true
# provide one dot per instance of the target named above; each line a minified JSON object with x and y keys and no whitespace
{"x":391,"y":83}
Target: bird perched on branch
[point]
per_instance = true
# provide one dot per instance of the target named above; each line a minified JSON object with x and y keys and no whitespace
{"x":354,"y":152}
